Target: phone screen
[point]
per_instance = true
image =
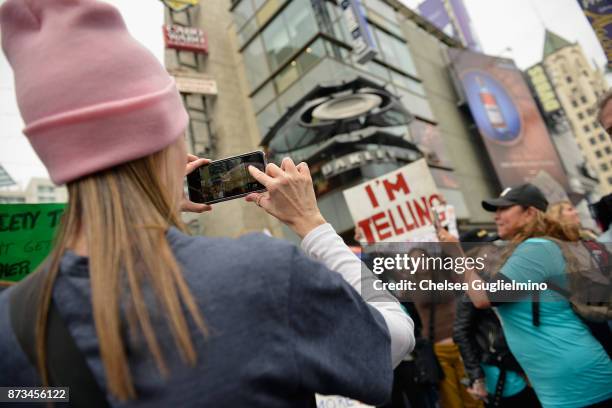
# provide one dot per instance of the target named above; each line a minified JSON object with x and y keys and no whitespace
{"x":225,"y":179}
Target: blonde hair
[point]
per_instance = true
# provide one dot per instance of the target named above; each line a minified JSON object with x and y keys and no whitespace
{"x":124,"y":213}
{"x":555,"y":210}
{"x":544,"y":225}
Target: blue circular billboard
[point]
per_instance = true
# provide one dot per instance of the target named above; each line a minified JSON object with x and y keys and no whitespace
{"x":492,"y":107}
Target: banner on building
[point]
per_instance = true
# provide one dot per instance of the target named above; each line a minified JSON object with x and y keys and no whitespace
{"x":185,"y":38}
{"x":26,"y":236}
{"x":507,"y":117}
{"x":180,"y":5}
{"x":599,"y":14}
{"x":361,"y":37}
{"x":397,"y":206}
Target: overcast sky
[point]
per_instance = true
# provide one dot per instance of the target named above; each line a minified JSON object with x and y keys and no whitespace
{"x":499,"y":25}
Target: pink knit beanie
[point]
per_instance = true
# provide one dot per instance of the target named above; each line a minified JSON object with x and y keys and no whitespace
{"x":90,"y":95}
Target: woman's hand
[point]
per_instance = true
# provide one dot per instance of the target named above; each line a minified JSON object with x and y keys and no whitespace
{"x":290,"y":196}
{"x":193,"y":162}
{"x":445,"y":236}
{"x":478,"y":390}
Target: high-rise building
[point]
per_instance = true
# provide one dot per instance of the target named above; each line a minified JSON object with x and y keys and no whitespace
{"x":578,"y":87}
{"x":356,"y":92}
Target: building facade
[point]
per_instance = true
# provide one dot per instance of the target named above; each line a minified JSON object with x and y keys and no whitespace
{"x":578,"y":87}
{"x":38,"y":190}
{"x":273,"y":60}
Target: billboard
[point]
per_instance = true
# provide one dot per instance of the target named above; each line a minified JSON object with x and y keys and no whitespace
{"x":507,"y":117}
{"x":599,"y":14}
{"x":397,"y":206}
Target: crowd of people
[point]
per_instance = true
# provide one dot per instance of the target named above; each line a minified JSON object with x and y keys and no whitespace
{"x":129,"y":310}
{"x":511,"y":349}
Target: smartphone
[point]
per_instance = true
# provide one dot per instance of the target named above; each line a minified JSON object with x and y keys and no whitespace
{"x":225,"y":179}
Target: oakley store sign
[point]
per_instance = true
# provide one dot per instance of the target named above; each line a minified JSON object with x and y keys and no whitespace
{"x":361,"y":158}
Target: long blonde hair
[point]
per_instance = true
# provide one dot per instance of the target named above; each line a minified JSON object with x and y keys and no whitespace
{"x":544,"y":225}
{"x":124,"y":213}
{"x":541,"y":225}
{"x":555,"y":211}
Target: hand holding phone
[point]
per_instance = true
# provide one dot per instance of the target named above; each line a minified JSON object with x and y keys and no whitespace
{"x":193,"y":163}
{"x":289,"y":197}
{"x":225,"y":179}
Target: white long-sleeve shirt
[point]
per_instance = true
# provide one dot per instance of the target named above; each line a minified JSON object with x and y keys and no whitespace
{"x":326,"y":246}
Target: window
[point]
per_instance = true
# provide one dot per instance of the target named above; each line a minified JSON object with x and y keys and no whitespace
{"x":255,"y":63}
{"x":602,"y":137}
{"x":568,"y":79}
{"x":11,"y":200}
{"x":263,"y":96}
{"x":310,"y":57}
{"x":586,"y":128}
{"x":267,"y":118}
{"x":609,"y":180}
{"x":288,"y":32}
{"x":394,"y":51}
{"x":580,"y":115}
{"x":592,"y":140}
{"x":242,"y":13}
{"x":604,"y":167}
{"x":583,"y":99}
{"x":45,"y":189}
{"x":277,"y":42}
{"x":383,"y":9}
{"x":608,"y":150}
{"x":598,"y":154}
{"x":574,"y":103}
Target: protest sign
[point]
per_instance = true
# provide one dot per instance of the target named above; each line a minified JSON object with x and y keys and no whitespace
{"x":396,"y":206}
{"x":26,"y":235}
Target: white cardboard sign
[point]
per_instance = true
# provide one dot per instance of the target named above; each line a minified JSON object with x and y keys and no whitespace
{"x":397,"y":206}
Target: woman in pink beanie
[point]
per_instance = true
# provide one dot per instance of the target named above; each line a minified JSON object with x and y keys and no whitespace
{"x":160,"y":318}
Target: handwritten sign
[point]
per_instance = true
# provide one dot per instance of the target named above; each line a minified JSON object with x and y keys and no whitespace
{"x":396,"y":206}
{"x":332,"y":401}
{"x":26,"y":236}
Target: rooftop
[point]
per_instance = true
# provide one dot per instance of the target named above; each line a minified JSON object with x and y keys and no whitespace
{"x":553,"y":43}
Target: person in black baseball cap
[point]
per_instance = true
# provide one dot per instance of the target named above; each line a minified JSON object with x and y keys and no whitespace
{"x":515,"y":207}
{"x":526,"y":195}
